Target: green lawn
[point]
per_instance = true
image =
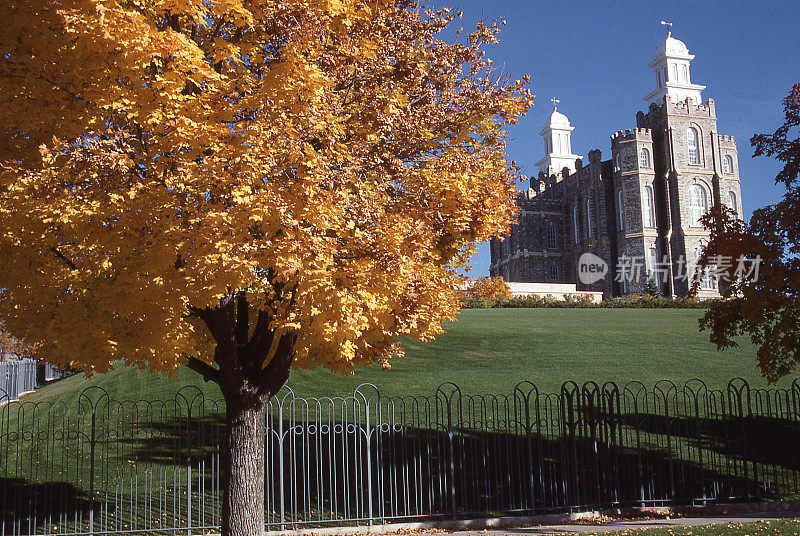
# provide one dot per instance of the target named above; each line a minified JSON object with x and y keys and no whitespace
{"x":782,"y":527}
{"x":485,"y":351}
{"x":491,"y":350}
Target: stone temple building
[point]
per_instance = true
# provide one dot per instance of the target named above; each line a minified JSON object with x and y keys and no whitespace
{"x":642,"y":204}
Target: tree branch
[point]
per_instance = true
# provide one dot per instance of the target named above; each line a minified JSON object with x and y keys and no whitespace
{"x":276,"y":373}
{"x":206,"y":315}
{"x":242,"y":318}
{"x":64,"y":258}
{"x":208,"y":372}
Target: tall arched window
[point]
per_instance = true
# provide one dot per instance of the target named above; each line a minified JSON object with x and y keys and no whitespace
{"x":674,"y":77}
{"x":620,"y":210}
{"x":685,"y":74}
{"x":644,"y":158}
{"x":732,"y":203}
{"x":658,"y":76}
{"x":649,"y":208}
{"x":589,"y":217}
{"x":706,"y":277}
{"x":693,"y":138}
{"x":551,"y":237}
{"x":575,"y":225}
{"x":553,"y":272}
{"x":727,"y":164}
{"x":547,"y":146}
{"x":698,"y":203}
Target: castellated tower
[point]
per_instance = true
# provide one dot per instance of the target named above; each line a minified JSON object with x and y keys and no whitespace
{"x":633,"y":191}
{"x":695,"y":167}
{"x":643,"y":204}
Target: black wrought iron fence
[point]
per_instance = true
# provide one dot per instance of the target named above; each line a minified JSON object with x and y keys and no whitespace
{"x":101,"y":466}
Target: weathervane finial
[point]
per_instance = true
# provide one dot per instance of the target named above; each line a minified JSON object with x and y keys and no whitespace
{"x":669,"y":27}
{"x":555,"y":102}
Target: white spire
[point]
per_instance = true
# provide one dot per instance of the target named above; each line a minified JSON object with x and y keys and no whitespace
{"x":557,"y":134}
{"x":672,"y":71}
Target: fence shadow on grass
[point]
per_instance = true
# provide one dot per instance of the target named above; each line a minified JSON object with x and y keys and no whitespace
{"x":363,"y":458}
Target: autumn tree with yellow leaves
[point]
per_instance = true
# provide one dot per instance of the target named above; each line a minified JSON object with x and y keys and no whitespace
{"x":243,"y":186}
{"x":489,"y":290}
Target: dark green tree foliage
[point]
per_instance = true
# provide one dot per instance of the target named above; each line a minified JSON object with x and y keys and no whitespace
{"x":767,"y":308}
{"x":652,"y":288}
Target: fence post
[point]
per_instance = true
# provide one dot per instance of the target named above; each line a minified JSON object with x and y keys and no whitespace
{"x":188,"y":471}
{"x":448,"y":406}
{"x":280,"y":461}
{"x":92,"y":442}
{"x":369,"y":462}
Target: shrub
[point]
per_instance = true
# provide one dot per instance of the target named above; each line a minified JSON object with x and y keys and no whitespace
{"x":630,"y":301}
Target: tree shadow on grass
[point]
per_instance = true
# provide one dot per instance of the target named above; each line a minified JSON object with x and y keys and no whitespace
{"x":763,"y":440}
{"x":22,"y":503}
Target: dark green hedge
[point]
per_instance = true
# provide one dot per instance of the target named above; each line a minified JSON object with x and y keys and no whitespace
{"x":630,"y":301}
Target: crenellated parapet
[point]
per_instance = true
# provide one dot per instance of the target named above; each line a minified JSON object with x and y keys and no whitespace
{"x":632,"y":134}
{"x":727,"y":142}
{"x":692,"y":109}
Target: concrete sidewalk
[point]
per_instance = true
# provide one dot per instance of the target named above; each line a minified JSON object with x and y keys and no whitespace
{"x":572,"y":523}
{"x":610,"y":524}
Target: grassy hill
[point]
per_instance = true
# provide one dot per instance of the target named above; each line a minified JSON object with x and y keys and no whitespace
{"x":491,"y":350}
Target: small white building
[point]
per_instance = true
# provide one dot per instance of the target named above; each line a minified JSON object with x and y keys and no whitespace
{"x":557,"y":291}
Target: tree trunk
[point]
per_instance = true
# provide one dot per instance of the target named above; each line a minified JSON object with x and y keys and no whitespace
{"x":243,"y":466}
{"x":247,"y":385}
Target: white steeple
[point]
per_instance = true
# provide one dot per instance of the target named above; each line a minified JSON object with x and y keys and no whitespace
{"x":557,"y":133}
{"x":671,"y":67}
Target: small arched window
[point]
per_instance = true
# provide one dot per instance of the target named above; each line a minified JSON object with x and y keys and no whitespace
{"x":649,"y":208}
{"x":620,"y":210}
{"x":575,"y":222}
{"x":698,"y":203}
{"x":692,"y":142}
{"x":617,"y":164}
{"x":644,"y":158}
{"x":727,"y":164}
{"x":732,"y":203}
{"x":589,"y":217}
{"x":551,"y":237}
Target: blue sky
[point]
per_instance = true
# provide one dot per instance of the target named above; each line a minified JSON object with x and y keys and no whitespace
{"x":593,"y":56}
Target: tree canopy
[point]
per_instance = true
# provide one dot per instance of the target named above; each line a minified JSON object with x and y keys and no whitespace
{"x":335,"y":160}
{"x":766,"y":307}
